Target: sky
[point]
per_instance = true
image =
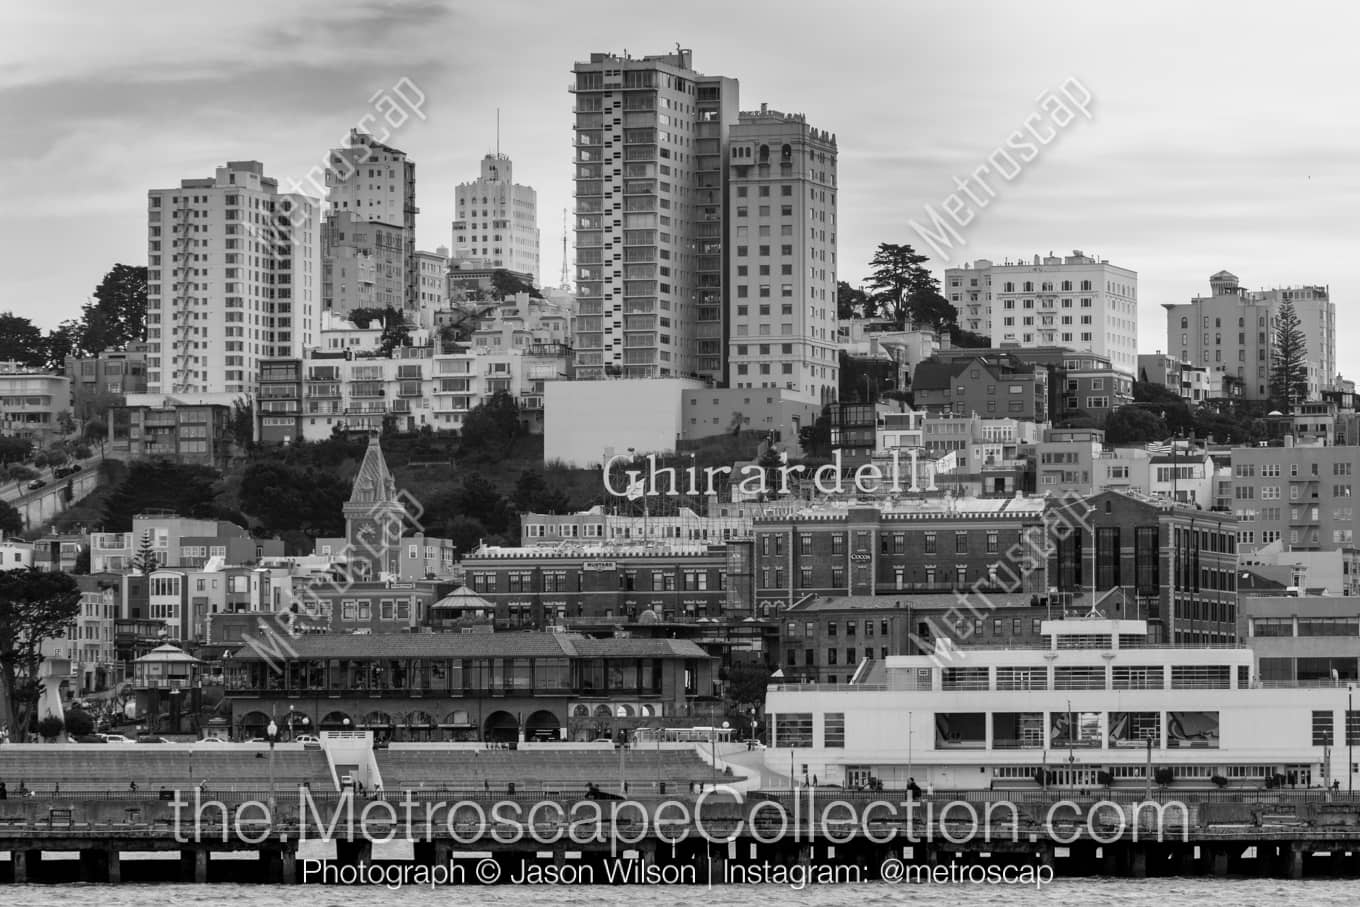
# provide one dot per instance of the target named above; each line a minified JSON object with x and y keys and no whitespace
{"x":1221,"y":135}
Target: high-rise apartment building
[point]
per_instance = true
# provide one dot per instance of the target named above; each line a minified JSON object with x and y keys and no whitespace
{"x":1233,"y":329}
{"x":496,"y":220}
{"x":363,"y":264}
{"x":233,"y":277}
{"x":782,"y":264}
{"x":1074,"y":301}
{"x":650,"y":157}
{"x":377,"y":184}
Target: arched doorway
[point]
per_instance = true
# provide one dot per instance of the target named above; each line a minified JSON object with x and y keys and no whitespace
{"x":500,"y":727}
{"x":458,"y":726}
{"x":337,"y":721}
{"x":253,"y":725}
{"x":543,"y":726}
{"x":419,"y":727}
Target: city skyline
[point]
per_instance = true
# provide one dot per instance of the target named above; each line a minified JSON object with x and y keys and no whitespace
{"x":1175,"y":176}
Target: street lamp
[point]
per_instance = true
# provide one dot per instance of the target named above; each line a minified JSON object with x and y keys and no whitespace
{"x":620,"y":741}
{"x":272,"y":732}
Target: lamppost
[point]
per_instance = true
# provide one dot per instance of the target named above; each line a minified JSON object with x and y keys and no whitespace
{"x":272,"y":732}
{"x":292,"y":716}
{"x":620,"y":740}
{"x":909,"y":776}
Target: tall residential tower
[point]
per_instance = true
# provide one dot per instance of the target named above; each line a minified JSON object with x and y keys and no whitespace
{"x":651,"y":138}
{"x":496,"y":220}
{"x":234,"y":276}
{"x":782,"y":238}
{"x":374,"y":184}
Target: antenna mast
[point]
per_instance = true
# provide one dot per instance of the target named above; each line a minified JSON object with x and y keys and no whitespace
{"x":498,"y":132}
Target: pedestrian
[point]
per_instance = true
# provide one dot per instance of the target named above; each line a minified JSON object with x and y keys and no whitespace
{"x":132,"y":786}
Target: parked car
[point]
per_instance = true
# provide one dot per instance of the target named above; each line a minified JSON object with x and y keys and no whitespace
{"x":115,"y":738}
{"x":210,"y":740}
{"x":36,"y":484}
{"x":305,"y":738}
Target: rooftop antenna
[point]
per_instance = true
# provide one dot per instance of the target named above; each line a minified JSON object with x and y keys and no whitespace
{"x":498,"y":132}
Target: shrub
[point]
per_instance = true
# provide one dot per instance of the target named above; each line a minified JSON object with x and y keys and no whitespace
{"x":50,"y":727}
{"x":1164,"y":776}
{"x":79,"y":723}
{"x":1219,"y":781}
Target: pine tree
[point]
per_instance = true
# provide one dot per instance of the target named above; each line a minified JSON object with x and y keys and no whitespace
{"x":1289,"y":361}
{"x":144,"y":562}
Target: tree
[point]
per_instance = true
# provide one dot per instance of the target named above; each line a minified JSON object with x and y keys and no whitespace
{"x":159,"y":485}
{"x":242,"y":425}
{"x":851,"y":302}
{"x":505,"y":284}
{"x":303,"y":498}
{"x":395,"y":332}
{"x":903,"y":288}
{"x":61,"y":342}
{"x":117,"y":316}
{"x":15,"y":450}
{"x":79,"y":723}
{"x":50,"y":728}
{"x":815,"y":439}
{"x":747,"y":683}
{"x":21,"y":341}
{"x":533,"y":494}
{"x":479,"y":500}
{"x":11,"y":523}
{"x":35,"y":606}
{"x":492,"y":427}
{"x":1134,"y":425}
{"x":145,"y":560}
{"x":1289,"y":361}
{"x":465,"y":533}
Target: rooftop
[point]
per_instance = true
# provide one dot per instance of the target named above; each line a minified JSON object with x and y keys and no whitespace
{"x":490,"y":645}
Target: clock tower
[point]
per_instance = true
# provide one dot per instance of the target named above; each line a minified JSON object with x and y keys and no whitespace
{"x":374,"y":518}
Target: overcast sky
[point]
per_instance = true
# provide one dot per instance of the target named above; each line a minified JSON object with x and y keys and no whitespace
{"x":1223,"y":135}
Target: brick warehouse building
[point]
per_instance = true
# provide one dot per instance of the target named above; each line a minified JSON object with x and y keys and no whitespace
{"x":1173,"y":565}
{"x":544,"y":586}
{"x":894,"y":548}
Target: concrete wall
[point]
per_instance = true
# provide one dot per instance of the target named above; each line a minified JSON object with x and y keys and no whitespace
{"x":588,"y":421}
{"x":717,"y":411}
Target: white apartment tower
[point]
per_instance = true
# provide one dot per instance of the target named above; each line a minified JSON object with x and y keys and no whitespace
{"x":782,"y":242}
{"x":1074,"y":301}
{"x":1233,"y":329}
{"x":376,"y":184}
{"x":496,"y":220}
{"x":651,"y":137}
{"x":233,"y":277}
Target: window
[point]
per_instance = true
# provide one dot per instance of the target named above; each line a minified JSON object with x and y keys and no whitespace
{"x":1324,"y":733}
{"x":833,"y":730}
{"x":793,"y":730}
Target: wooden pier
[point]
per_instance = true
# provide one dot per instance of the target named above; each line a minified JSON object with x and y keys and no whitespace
{"x":716,"y":836}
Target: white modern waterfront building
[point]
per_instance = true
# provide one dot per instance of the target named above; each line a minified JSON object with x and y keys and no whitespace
{"x":1085,"y":703}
